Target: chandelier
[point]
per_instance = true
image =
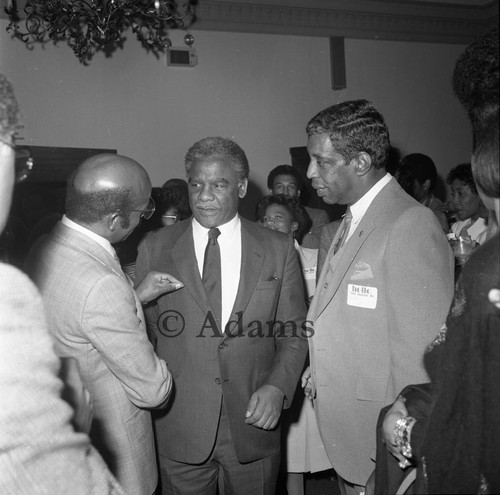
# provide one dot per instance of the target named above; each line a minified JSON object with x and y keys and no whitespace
{"x":89,"y":26}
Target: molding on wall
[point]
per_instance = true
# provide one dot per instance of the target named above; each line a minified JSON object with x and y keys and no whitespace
{"x":398,"y":20}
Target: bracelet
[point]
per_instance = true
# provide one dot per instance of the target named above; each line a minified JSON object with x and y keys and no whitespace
{"x":402,"y":432}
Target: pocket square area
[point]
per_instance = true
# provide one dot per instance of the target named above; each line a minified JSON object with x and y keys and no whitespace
{"x":362,"y":271}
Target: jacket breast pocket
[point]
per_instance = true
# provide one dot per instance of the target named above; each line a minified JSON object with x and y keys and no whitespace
{"x":371,"y":388}
{"x":267,"y":285}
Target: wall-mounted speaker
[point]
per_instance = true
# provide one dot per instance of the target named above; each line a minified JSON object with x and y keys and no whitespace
{"x":337,"y":62}
{"x":181,"y":57}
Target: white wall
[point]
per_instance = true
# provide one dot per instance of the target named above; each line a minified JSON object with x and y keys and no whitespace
{"x":258,"y":89}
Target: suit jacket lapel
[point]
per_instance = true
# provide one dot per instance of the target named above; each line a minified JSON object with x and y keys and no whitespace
{"x":336,"y":266}
{"x":252,"y":260}
{"x":184,"y":258}
{"x":324,"y":276}
{"x":344,"y":258}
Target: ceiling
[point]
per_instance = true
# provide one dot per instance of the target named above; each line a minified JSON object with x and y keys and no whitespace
{"x":437,"y":21}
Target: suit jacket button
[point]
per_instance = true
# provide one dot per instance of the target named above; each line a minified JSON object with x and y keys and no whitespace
{"x":217,"y":381}
{"x":221,"y":346}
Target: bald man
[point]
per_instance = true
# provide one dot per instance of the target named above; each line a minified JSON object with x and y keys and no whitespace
{"x":96,"y":317}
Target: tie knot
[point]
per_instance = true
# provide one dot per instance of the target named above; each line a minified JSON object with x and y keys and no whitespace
{"x":213,"y":233}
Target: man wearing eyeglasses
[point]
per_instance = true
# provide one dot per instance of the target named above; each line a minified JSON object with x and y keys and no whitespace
{"x":43,"y":448}
{"x":96,"y":317}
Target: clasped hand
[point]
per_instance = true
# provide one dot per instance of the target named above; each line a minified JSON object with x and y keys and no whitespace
{"x":307,"y":384}
{"x":264,"y":408}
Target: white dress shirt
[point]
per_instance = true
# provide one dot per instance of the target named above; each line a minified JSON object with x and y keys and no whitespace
{"x":230,"y":252}
{"x":477,"y":229}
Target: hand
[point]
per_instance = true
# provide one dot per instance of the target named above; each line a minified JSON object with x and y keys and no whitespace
{"x":307,"y":384}
{"x":494,"y":297}
{"x":397,"y":411}
{"x":154,"y":284}
{"x":264,"y":408}
{"x":76,"y":395}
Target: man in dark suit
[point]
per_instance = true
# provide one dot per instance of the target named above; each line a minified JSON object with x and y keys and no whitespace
{"x":235,"y":348}
{"x":285,"y":179}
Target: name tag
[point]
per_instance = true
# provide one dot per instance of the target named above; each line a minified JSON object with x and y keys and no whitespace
{"x":362,"y":296}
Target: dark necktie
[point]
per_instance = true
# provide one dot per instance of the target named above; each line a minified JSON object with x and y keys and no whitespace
{"x":212,"y":273}
{"x":345,"y":230}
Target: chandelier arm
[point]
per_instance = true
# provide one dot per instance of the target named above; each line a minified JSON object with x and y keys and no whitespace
{"x":88,"y":26}
{"x":90,"y":6}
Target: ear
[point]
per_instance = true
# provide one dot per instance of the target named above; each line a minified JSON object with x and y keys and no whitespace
{"x":298,"y":193}
{"x":426,"y":185}
{"x":112,"y":221}
{"x":362,"y":163}
{"x":242,"y":188}
{"x":294,"y":226}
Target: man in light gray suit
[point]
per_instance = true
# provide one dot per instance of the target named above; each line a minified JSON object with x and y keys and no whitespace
{"x":40,"y":451}
{"x":96,"y":317}
{"x":384,"y":290}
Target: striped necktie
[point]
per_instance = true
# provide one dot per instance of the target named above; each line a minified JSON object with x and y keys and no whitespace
{"x":346,"y":224}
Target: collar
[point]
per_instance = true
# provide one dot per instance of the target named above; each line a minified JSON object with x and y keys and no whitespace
{"x":361,"y":206}
{"x":228,"y":229}
{"x":83,"y":230}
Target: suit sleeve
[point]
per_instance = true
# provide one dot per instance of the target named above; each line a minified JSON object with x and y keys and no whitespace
{"x":419,"y":268}
{"x":290,"y":339}
{"x":112,"y":325}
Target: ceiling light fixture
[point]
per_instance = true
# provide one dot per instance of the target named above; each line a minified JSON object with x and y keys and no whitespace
{"x":89,"y":26}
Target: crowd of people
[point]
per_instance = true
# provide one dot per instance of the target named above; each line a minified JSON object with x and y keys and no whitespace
{"x":165,"y":344}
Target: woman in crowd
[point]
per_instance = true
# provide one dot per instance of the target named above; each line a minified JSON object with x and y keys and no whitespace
{"x":175,"y":201}
{"x":304,"y":450}
{"x":450,"y":427}
{"x":285,"y":214}
{"x":469,"y":210}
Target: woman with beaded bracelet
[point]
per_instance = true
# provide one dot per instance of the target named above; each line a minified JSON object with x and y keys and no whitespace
{"x":450,"y":428}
